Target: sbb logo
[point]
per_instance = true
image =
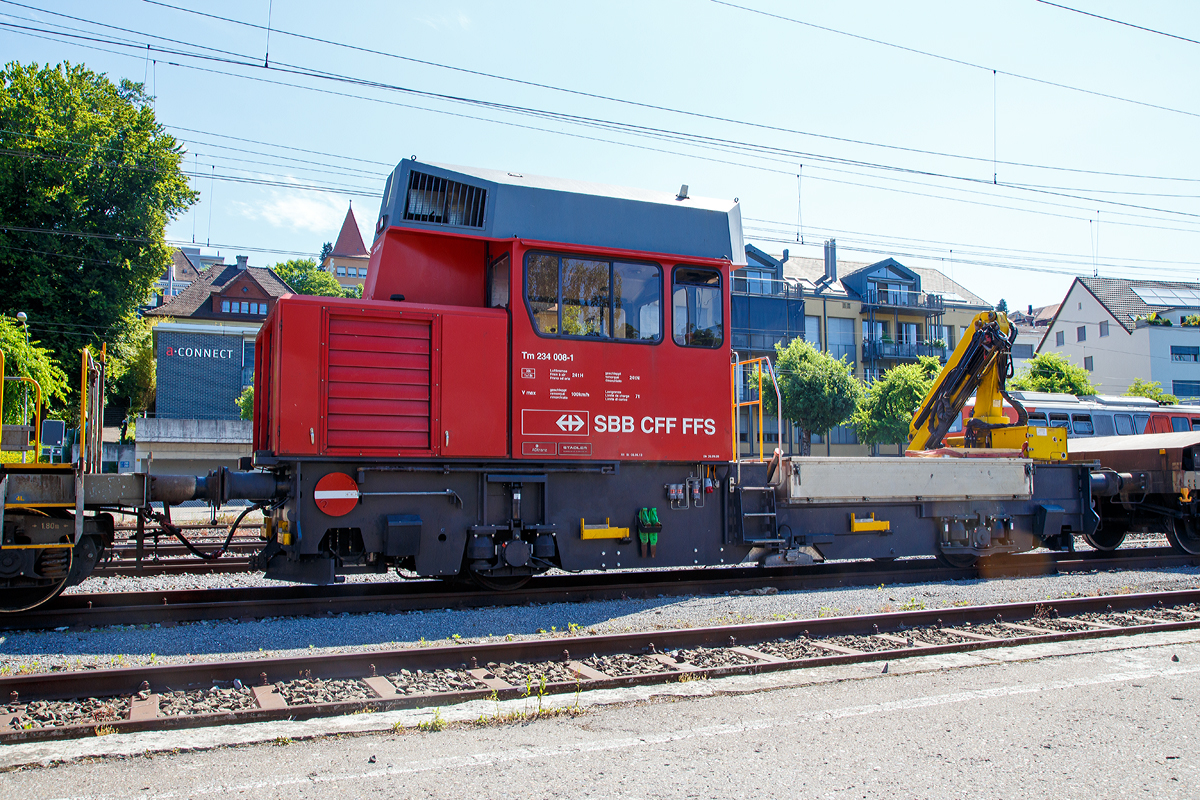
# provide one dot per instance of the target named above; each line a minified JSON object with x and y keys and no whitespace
{"x":613,"y":424}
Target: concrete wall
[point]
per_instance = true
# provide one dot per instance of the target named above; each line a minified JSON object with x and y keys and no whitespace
{"x":1162,"y":368}
{"x":191,"y":446}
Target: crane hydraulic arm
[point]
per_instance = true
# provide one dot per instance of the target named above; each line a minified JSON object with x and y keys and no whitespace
{"x":980,"y":365}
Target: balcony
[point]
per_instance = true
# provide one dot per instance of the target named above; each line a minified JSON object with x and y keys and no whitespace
{"x":764,"y":287}
{"x":902,"y":299}
{"x":877,"y":349}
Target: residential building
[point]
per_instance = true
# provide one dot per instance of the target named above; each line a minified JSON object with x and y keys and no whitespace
{"x":204,"y":359}
{"x":186,"y":265}
{"x":875,"y":315}
{"x":1105,"y":326}
{"x":1031,"y":327}
{"x":348,"y":260}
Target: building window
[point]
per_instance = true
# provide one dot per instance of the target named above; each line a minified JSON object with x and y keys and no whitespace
{"x":362,"y":272}
{"x":753,"y":281}
{"x":1185,"y":353}
{"x":1022,"y":351}
{"x":1060,"y":339}
{"x":1087,"y":363}
{"x":1103,"y":329}
{"x":696,"y":307}
{"x":1185,"y":388}
{"x":225,"y":306}
{"x":572,"y":296}
{"x":1081,"y":333}
{"x":245,"y":307}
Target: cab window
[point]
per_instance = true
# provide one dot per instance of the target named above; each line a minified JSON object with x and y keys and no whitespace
{"x":579,"y":296}
{"x":1037,"y":419}
{"x":1059,"y":421}
{"x":1141,"y":422}
{"x":1081,"y":424}
{"x":1124,"y":424}
{"x":1180,"y":424}
{"x":696,"y":314}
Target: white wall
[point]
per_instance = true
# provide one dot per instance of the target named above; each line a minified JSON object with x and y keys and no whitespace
{"x":1116,"y":359}
{"x":1162,"y":368}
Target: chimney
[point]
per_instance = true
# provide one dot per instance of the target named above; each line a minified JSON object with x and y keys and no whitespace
{"x":830,"y":261}
{"x":241,"y":262}
{"x":1030,"y":310}
{"x":785,"y":255}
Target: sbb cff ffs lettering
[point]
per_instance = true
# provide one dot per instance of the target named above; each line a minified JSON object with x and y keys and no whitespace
{"x":690,"y":425}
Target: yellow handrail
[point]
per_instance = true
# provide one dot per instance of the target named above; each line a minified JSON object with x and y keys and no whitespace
{"x":37,"y":427}
{"x":739,"y":404}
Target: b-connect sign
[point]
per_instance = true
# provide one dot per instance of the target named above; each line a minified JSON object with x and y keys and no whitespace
{"x":199,"y":375}
{"x":199,"y":352}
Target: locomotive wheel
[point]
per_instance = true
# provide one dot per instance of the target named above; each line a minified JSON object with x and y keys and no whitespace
{"x":1184,"y":535}
{"x":55,"y":565}
{"x":958,"y":560}
{"x":501,"y":583}
{"x":1106,"y":539}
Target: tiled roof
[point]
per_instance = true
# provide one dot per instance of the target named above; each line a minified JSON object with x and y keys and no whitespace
{"x":939,"y":283}
{"x":192,"y":302}
{"x":1117,"y":295}
{"x":809,"y":270}
{"x":349,"y":241}
{"x":181,"y":269}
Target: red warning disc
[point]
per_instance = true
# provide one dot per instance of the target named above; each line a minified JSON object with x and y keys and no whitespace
{"x":336,"y":494}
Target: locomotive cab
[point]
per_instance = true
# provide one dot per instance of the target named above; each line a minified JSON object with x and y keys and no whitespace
{"x":532,"y":361}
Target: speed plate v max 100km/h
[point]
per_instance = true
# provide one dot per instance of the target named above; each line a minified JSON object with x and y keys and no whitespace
{"x":336,"y":494}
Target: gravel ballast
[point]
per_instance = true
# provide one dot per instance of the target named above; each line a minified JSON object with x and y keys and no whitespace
{"x":120,"y":646}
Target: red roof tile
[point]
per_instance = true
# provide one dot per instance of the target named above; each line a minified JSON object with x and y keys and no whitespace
{"x":349,"y":241}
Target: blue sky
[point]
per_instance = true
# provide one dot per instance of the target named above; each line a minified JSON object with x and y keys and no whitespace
{"x":773,"y":99}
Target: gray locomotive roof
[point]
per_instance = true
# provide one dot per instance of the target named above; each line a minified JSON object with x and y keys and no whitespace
{"x":537,"y":208}
{"x":1087,"y":445}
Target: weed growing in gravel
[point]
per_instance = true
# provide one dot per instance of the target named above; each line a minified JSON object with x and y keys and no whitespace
{"x":827,"y":611}
{"x":105,"y":730}
{"x":688,"y":677}
{"x":6,"y":670}
{"x":508,"y":638}
{"x":572,"y":627}
{"x":283,"y":741}
{"x":434,"y":724}
{"x":913,"y":605}
{"x":962,"y":603}
{"x":398,"y":727}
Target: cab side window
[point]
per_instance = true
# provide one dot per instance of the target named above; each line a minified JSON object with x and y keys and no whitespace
{"x":696,"y":313}
{"x":576,"y":296}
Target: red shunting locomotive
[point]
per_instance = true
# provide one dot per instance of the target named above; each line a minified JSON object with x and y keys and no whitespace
{"x":538,"y":376}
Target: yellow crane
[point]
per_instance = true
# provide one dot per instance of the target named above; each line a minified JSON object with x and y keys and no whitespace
{"x":980,"y":365}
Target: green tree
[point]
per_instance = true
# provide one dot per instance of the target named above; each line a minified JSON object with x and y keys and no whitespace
{"x":1151,"y":389}
{"x":819,"y":391}
{"x":1002,"y":306}
{"x":305,"y":277}
{"x":130,"y":373}
{"x":245,"y":402}
{"x":887,"y":406}
{"x":1052,"y":372}
{"x":29,"y":361}
{"x":326,"y":249}
{"x":93,"y":179}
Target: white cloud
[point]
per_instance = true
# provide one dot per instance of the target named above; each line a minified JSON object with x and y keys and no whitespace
{"x":457,"y":18}
{"x":301,"y":211}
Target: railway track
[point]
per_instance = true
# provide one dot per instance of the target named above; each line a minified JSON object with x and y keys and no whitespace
{"x":74,"y":704}
{"x":171,"y":607}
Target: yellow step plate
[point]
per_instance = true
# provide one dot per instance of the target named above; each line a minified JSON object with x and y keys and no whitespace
{"x":605,"y":531}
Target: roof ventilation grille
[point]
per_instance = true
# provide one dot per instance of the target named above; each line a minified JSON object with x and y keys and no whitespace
{"x":444,"y":202}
